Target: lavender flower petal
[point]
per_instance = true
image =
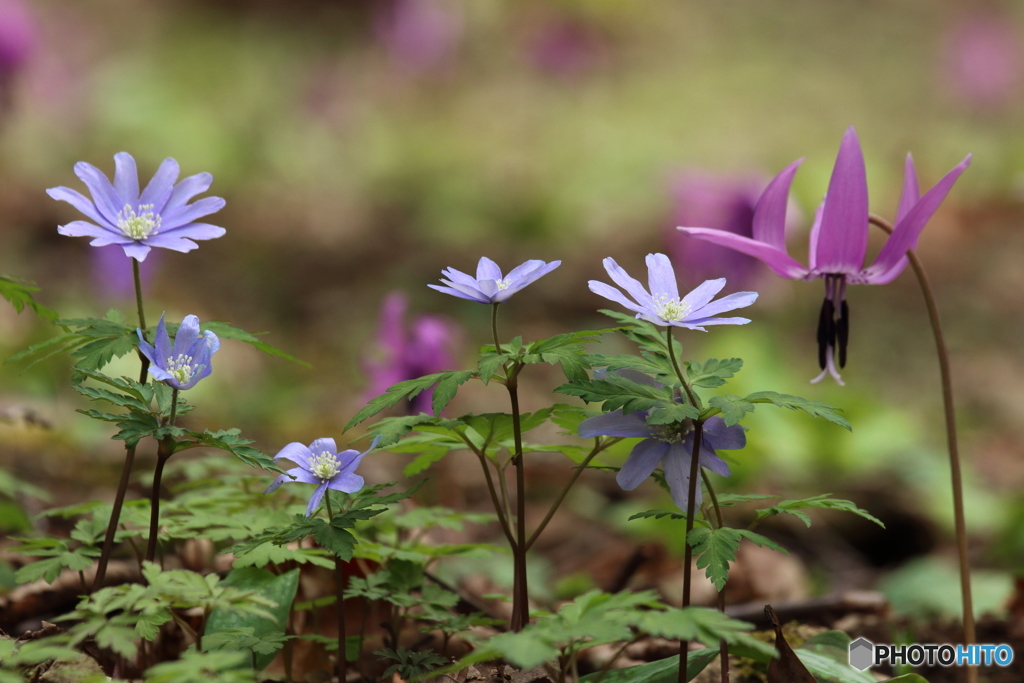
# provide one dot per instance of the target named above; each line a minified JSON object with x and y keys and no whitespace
{"x":641,"y":463}
{"x":615,"y":423}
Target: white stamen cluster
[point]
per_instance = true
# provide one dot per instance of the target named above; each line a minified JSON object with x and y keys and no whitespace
{"x":324,"y":466}
{"x":138,"y":226}
{"x":672,"y":433}
{"x":181,"y":368}
{"x":503,"y":284}
{"x":671,"y":310}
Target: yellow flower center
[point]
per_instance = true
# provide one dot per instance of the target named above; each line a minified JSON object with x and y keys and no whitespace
{"x":671,"y":309}
{"x":138,"y":226}
{"x":503,"y":284}
{"x":324,"y":466}
{"x":180,"y":368}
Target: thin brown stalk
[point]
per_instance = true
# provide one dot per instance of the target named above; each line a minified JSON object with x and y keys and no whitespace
{"x":698,"y":435}
{"x":951,"y":441}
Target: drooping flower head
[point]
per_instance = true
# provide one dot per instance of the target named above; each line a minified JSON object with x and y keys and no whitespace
{"x":158,"y":217}
{"x":408,"y":354}
{"x":188,"y":361}
{"x":983,"y":59}
{"x":419,"y":35}
{"x":320,"y":463}
{"x":669,"y":445}
{"x":662,"y":305}
{"x":839,"y":239}
{"x":489,"y":286}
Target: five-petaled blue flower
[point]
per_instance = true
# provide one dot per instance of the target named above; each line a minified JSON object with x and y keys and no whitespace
{"x":159,"y":217}
{"x":323,"y":465}
{"x":662,"y":305}
{"x":671,"y":445}
{"x":489,"y":287}
{"x":188,"y":361}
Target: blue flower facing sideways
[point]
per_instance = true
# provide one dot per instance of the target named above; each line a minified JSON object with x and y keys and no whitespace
{"x":188,"y":361}
{"x":670,"y":445}
{"x":320,"y":463}
{"x":662,"y":305}
{"x":158,"y":217}
{"x":489,"y":287}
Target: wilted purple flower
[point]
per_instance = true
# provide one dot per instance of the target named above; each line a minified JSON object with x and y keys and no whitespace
{"x":419,"y":34}
{"x":408,"y":354}
{"x":323,"y":465}
{"x":983,"y":60}
{"x":17,"y":35}
{"x":189,"y":359}
{"x":662,"y":305}
{"x":839,"y":238}
{"x":112,"y":271}
{"x":159,"y":217}
{"x":670,"y":445}
{"x":489,"y":287}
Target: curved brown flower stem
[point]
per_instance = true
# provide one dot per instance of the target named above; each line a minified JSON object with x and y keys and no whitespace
{"x":698,"y":436}
{"x":678,"y":368}
{"x":608,"y":665}
{"x":723,"y":646}
{"x":951,"y":442}
{"x":164,"y":451}
{"x":129,"y":455}
{"x":494,"y":496}
{"x":520,"y":590}
{"x":339,"y":581}
{"x":598,"y":447}
{"x":521,"y":593}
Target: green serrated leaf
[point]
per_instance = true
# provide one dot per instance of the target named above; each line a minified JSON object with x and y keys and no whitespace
{"x":447,"y":387}
{"x":407,"y":390}
{"x":19,"y":293}
{"x":226,"y":331}
{"x":813,"y":408}
{"x":733,"y":408}
{"x":617,"y":392}
{"x":713,"y":372}
{"x":821,"y":502}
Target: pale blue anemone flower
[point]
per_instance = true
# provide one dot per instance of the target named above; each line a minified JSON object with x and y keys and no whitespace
{"x":158,"y":217}
{"x":662,"y":305}
{"x":669,"y":445}
{"x":320,"y":463}
{"x":188,"y":361}
{"x":489,"y":286}
{"x":839,"y":238}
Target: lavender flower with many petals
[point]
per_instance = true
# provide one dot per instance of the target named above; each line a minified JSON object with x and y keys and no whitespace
{"x":662,"y":305}
{"x":158,"y":217}
{"x":323,"y":465}
{"x":188,"y":361}
{"x":838,"y":239}
{"x":409,"y":354}
{"x":489,"y":287}
{"x":670,"y":445}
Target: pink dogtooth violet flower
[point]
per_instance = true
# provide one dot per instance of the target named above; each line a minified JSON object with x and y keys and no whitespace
{"x":839,"y":239}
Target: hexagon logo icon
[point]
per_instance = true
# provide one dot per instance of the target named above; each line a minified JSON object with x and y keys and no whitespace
{"x":862,"y":653}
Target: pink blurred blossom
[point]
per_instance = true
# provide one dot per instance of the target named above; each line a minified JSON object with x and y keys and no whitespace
{"x":419,"y":35}
{"x":566,"y":46}
{"x":982,"y":61}
{"x":17,"y":35}
{"x":724,"y":202}
{"x":404,"y":354}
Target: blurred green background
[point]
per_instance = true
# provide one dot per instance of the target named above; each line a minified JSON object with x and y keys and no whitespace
{"x":364,"y":145}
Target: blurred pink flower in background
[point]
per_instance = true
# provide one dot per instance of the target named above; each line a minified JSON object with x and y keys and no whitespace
{"x":17,"y":42}
{"x":725,"y":202}
{"x":112,"y":271}
{"x":566,"y":46}
{"x":403,"y":354}
{"x":419,"y":35}
{"x":982,"y":61}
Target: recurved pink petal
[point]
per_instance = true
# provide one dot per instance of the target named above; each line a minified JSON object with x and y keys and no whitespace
{"x":910,"y":193}
{"x":778,"y":260}
{"x":770,"y":213}
{"x":904,"y":237}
